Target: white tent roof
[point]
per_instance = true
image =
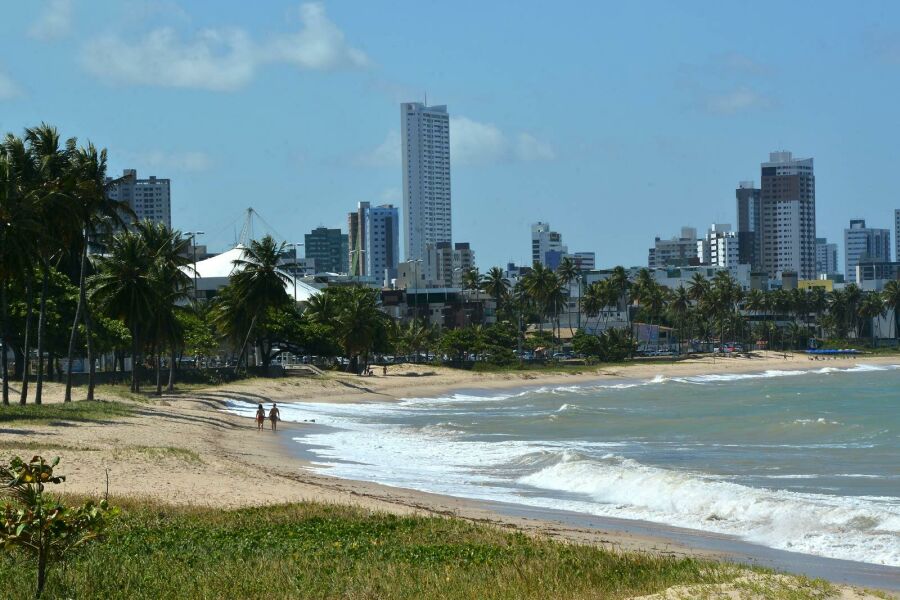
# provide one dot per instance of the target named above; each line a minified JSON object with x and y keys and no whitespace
{"x":222,"y":266}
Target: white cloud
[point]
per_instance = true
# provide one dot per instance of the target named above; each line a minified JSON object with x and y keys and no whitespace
{"x":319,"y":45}
{"x":54,"y":22}
{"x":385,"y":154}
{"x":738,"y":100}
{"x":529,"y":148}
{"x":472,"y":143}
{"x":180,"y":162}
{"x":9,"y":89}
{"x":219,"y":59}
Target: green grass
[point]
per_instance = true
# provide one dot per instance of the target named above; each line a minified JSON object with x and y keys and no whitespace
{"x":79,"y":411}
{"x":160,"y":453}
{"x":323,"y":551}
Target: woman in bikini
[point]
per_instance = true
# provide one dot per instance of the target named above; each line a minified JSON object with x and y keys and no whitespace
{"x":260,"y":417}
{"x":274,"y":414}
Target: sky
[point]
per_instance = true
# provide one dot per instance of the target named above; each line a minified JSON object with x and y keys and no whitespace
{"x":614,"y":122}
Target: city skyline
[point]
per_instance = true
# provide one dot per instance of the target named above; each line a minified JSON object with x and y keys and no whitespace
{"x":321,"y":133}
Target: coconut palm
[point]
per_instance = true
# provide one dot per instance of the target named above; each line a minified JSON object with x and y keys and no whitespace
{"x":124,"y":289}
{"x":568,"y":272}
{"x":19,"y":229}
{"x":358,"y":321}
{"x":539,"y":284}
{"x":680,"y":306}
{"x":872,"y":307}
{"x":494,"y":284}
{"x":259,"y":284}
{"x":95,"y":214}
{"x":471,"y":279}
{"x":891,"y":295}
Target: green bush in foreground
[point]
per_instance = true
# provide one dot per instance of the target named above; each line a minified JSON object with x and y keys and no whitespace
{"x":323,"y":551}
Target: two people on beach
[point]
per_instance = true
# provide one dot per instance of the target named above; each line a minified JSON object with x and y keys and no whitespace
{"x":274,"y":416}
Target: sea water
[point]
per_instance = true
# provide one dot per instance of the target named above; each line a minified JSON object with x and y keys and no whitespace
{"x":807,"y":461}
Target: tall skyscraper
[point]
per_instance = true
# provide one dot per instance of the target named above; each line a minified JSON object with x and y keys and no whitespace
{"x":546,"y":245}
{"x":149,"y":198}
{"x":864,"y":244}
{"x":788,"y":215}
{"x":748,"y":223}
{"x":329,"y":248}
{"x":826,"y":258}
{"x":425,"y":135}
{"x":374,"y":240}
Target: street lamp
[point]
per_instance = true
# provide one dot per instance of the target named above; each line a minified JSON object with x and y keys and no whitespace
{"x":194,"y":235}
{"x":294,"y":273}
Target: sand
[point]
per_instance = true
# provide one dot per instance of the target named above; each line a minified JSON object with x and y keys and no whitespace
{"x":183,"y":449}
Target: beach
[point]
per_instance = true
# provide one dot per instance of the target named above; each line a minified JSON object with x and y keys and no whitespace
{"x":186,"y":449}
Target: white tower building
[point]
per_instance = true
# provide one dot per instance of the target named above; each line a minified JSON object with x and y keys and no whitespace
{"x":425,"y":134}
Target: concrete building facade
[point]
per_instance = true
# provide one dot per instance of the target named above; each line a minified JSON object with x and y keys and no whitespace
{"x":788,"y":215}
{"x":897,"y":235}
{"x":543,"y":242}
{"x":329,"y":248}
{"x":425,"y":138}
{"x":864,"y":244}
{"x":678,"y":251}
{"x":150,"y":199}
{"x":374,"y":241}
{"x":720,"y":247}
{"x":826,"y":258}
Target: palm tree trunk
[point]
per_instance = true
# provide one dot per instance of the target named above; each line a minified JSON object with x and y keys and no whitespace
{"x":135,"y":375}
{"x":26,"y":350}
{"x":158,"y":371}
{"x":89,"y":339}
{"x":42,"y":316}
{"x":171,"y":387}
{"x":4,"y":331}
{"x":78,"y":310}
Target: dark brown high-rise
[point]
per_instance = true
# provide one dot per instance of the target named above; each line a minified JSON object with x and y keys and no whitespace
{"x":788,"y":215}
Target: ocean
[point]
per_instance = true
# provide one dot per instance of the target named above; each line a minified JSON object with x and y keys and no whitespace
{"x":804,"y":461}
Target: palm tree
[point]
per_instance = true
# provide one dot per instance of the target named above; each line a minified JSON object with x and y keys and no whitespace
{"x":95,"y":214}
{"x":891,"y":294}
{"x":568,"y":271}
{"x":872,"y":307}
{"x":538,"y":285}
{"x":471,"y":279}
{"x":359,"y":319}
{"x":259,"y":284}
{"x":19,"y":228}
{"x":592,"y":301}
{"x":124,"y":289}
{"x":680,"y":305}
{"x":495,"y":285}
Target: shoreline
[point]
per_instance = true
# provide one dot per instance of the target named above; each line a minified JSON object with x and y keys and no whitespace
{"x":185,"y":449}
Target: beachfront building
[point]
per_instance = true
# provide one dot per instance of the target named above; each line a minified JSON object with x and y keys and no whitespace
{"x":585,"y":261}
{"x":374,"y":241}
{"x":720,"y":246}
{"x":329,"y":248}
{"x":788,"y":215}
{"x":425,"y":140}
{"x":748,"y":224}
{"x":445,"y":264}
{"x":872,"y":276}
{"x":826,"y":259}
{"x":864,"y":244}
{"x":150,"y":199}
{"x":546,"y":245}
{"x":680,"y":251}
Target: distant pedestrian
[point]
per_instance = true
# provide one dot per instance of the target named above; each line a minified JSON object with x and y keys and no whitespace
{"x":274,"y":416}
{"x":260,"y":417}
{"x":384,"y":370}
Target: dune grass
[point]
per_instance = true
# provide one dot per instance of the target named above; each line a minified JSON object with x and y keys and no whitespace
{"x":80,"y":411}
{"x":323,"y":551}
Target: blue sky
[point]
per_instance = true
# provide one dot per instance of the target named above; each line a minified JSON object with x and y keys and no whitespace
{"x":615,"y":122}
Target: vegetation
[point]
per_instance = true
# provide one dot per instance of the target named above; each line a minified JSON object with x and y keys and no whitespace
{"x":325,"y":551}
{"x":39,"y":525}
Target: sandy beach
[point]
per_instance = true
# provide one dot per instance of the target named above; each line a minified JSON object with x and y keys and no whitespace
{"x":183,"y":449}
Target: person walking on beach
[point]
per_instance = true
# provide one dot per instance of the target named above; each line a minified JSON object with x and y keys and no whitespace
{"x":260,"y":417}
{"x":274,"y":415}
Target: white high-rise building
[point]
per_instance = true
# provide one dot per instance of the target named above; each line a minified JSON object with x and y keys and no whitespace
{"x":425,"y":135}
{"x":720,"y":247}
{"x":546,"y":246}
{"x":374,"y":241}
{"x":150,"y":199}
{"x":864,"y":244}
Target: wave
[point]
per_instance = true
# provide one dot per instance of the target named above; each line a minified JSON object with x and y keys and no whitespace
{"x":840,"y":527}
